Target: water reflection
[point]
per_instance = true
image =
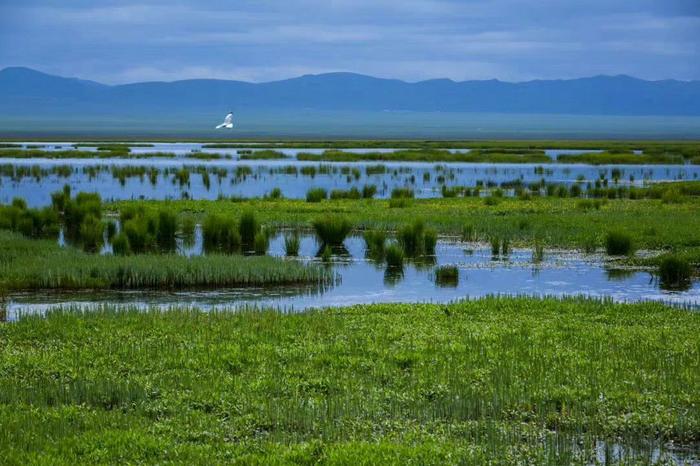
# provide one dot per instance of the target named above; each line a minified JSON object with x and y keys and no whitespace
{"x":159,"y":178}
{"x":366,"y":279}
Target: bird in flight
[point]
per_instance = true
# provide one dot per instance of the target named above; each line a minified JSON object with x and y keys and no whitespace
{"x":228,"y":122}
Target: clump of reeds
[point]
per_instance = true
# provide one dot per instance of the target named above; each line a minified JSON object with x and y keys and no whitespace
{"x":220,"y":234}
{"x":416,"y":239}
{"x":447,"y":276}
{"x":674,"y":272}
{"x":394,"y":256}
{"x":618,"y":243}
{"x":331,"y":230}
{"x":316,"y":195}
{"x":292,"y":243}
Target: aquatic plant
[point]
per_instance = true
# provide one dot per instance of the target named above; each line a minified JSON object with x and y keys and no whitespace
{"x":316,"y":195}
{"x":375,"y":242}
{"x":27,"y":264}
{"x":402,"y":193}
{"x":369,"y":191}
{"x":248,"y":228}
{"x":674,"y":272}
{"x":221,"y":234}
{"x":260,"y":243}
{"x":120,"y":245}
{"x":416,"y":240}
{"x":167,"y":228}
{"x":447,"y":276}
{"x":91,"y":233}
{"x":618,"y":243}
{"x":292,"y":243}
{"x":394,"y":256}
{"x":331,"y":230}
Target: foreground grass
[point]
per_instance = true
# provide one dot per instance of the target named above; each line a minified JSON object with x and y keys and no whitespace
{"x":557,"y":222}
{"x":27,"y":264}
{"x":497,"y":381}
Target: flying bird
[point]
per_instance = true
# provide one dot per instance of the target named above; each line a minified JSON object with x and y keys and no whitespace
{"x":228,"y":122}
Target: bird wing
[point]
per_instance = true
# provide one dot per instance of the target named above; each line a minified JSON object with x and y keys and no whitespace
{"x":228,"y":119}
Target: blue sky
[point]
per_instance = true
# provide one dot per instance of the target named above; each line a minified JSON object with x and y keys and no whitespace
{"x":264,"y":40}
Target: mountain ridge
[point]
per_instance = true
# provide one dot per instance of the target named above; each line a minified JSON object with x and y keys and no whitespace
{"x":25,"y":91}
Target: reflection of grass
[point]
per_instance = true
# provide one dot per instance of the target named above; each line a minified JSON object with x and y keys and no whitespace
{"x":41,"y":264}
{"x":500,"y":381}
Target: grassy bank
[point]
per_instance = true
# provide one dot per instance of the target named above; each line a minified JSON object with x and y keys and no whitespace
{"x":431,"y":155}
{"x":497,"y":381}
{"x":558,"y":222}
{"x":40,"y":264}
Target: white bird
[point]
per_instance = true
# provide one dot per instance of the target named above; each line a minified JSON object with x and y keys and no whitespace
{"x":228,"y":122}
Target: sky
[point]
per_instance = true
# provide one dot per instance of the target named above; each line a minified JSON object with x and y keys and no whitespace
{"x":263,"y":40}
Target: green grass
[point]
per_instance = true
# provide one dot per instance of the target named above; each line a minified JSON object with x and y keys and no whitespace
{"x":40,"y":264}
{"x":494,"y":381}
{"x":265,"y":154}
{"x":556,"y":222}
{"x":430,"y":155}
{"x":621,"y":158}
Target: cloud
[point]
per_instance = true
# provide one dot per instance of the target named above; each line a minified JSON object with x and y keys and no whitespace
{"x":129,"y":40}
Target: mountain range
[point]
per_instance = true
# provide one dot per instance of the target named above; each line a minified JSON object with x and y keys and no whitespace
{"x":26,"y":92}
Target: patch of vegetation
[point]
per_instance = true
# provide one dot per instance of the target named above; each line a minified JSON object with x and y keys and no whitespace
{"x":493,"y":381}
{"x":27,"y":264}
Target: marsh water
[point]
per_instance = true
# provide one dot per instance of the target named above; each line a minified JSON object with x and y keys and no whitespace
{"x":157,"y":177}
{"x":364,"y":280}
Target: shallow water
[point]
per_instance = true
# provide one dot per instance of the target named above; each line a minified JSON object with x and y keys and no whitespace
{"x":256,"y":178}
{"x":363,"y":281}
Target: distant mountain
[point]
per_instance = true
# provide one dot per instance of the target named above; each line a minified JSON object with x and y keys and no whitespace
{"x":26,"y":92}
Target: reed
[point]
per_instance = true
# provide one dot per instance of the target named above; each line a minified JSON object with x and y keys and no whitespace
{"x":618,"y":243}
{"x":221,"y":234}
{"x":292,"y":243}
{"x":41,"y":264}
{"x":331,"y":230}
{"x":674,"y":272}
{"x":316,"y":195}
{"x":447,"y":276}
{"x":394,"y":255}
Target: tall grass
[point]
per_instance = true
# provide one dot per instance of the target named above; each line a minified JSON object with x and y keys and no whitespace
{"x":618,"y":243}
{"x":221,"y":234}
{"x":292,"y":243}
{"x":36,"y":264}
{"x":331,"y":230}
{"x":316,"y":195}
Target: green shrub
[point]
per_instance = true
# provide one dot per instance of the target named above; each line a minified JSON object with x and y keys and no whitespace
{"x":402,"y":193}
{"x":618,"y":243}
{"x":332,"y":230}
{"x":292,"y":243}
{"x":120,"y":245}
{"x":416,"y":240}
{"x":394,"y":256}
{"x":261,"y":243}
{"x":220,"y":233}
{"x":447,"y":276}
{"x":316,"y":195}
{"x":375,"y":240}
{"x":674,"y":272}
{"x":369,"y":191}
{"x":167,"y":227}
{"x":248,"y":228}
{"x":91,"y":233}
